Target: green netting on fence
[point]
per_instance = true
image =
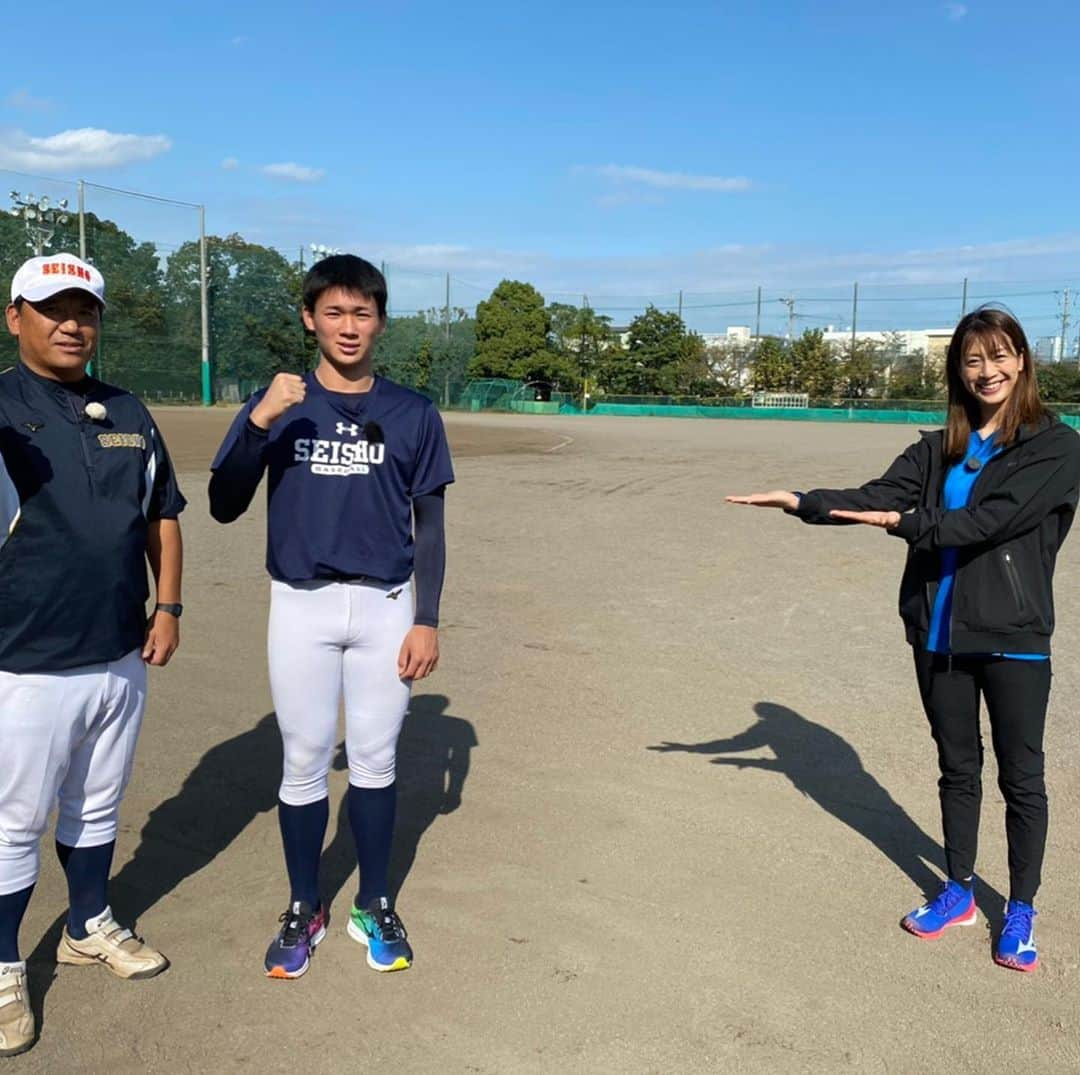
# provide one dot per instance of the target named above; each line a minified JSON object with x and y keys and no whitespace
{"x":513,"y":396}
{"x":498,"y":394}
{"x":787,"y":414}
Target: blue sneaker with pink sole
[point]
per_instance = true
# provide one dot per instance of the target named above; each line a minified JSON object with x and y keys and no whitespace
{"x":1015,"y":948}
{"x":954,"y":905}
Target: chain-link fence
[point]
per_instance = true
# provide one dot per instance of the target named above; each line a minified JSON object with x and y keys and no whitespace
{"x":164,"y":285}
{"x":147,"y":248}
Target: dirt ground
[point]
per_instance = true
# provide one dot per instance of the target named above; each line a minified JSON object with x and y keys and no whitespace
{"x":579,"y":900}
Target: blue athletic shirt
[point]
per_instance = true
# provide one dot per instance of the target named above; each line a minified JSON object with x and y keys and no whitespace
{"x":959,"y":483}
{"x":342,"y":472}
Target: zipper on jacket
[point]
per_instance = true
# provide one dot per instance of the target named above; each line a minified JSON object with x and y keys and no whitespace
{"x":79,"y":426}
{"x":1013,"y":577}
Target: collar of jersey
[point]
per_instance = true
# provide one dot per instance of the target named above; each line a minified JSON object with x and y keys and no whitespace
{"x":352,"y":403}
{"x":57,"y":390}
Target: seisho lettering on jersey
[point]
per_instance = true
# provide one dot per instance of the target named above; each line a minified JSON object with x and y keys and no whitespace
{"x":338,"y":458}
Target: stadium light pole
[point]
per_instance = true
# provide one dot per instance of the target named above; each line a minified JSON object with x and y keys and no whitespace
{"x":41,"y":219}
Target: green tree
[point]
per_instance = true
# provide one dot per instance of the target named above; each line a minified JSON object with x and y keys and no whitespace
{"x":728,"y":362}
{"x":1059,"y":382}
{"x":581,"y":336}
{"x":512,"y":329}
{"x":814,"y":366}
{"x":693,"y":375}
{"x":254,"y":299}
{"x":424,"y":352}
{"x":659,"y":357}
{"x":912,"y":377}
{"x":455,"y":345}
{"x":398,"y":353}
{"x":771,"y":369}
{"x":135,"y":349}
{"x":860,"y":373}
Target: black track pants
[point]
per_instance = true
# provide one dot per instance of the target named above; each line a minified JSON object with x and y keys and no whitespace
{"x":1016,"y":694}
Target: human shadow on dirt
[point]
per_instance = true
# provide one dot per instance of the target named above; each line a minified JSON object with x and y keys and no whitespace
{"x":229,"y":787}
{"x":237,"y":780}
{"x":826,"y":768}
{"x":433,"y":758}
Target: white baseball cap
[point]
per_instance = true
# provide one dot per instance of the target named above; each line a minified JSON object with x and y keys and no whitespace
{"x":41,"y":278}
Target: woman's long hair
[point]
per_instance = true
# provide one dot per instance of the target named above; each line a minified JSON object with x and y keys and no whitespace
{"x":989,"y":326}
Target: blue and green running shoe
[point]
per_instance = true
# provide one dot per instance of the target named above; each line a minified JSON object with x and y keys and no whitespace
{"x":1016,"y":945}
{"x":954,"y":905}
{"x":380,"y":930}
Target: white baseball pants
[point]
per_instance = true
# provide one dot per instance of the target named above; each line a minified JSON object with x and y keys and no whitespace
{"x":329,"y":640}
{"x":69,"y":738}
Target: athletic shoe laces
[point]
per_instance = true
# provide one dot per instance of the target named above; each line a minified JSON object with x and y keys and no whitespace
{"x":296,"y":927}
{"x":947,"y":899}
{"x":389,"y":926}
{"x":1018,"y":923}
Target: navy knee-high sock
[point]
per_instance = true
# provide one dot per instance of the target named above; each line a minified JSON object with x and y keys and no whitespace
{"x":303,"y":829}
{"x":87,"y":870}
{"x":12,"y":909}
{"x":371,"y":818}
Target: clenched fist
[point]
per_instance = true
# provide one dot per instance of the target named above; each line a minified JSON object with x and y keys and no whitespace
{"x":286,"y":390}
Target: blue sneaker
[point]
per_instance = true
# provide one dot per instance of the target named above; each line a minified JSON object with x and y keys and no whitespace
{"x":954,"y":905}
{"x":302,"y":929}
{"x":380,"y":930}
{"x":1016,"y":945}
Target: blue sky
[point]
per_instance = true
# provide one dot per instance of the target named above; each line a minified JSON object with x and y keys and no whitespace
{"x":615,"y":149}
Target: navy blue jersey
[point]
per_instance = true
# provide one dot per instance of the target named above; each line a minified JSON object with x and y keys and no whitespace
{"x":75,"y":499}
{"x":342,"y":472}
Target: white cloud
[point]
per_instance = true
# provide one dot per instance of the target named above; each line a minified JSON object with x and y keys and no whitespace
{"x":240,"y":39}
{"x":955,"y":12}
{"x":84,"y":149}
{"x":230,"y":164}
{"x":25,"y":101}
{"x":617,"y":199}
{"x":296,"y":173}
{"x":730,"y":267}
{"x":651,"y":177}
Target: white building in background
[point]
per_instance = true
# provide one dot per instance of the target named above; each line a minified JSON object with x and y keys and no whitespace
{"x":931,"y":342}
{"x":735,"y":335}
{"x":910,"y":341}
{"x":1048,"y":349}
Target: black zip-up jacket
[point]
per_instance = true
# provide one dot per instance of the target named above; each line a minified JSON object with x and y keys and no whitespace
{"x":76,"y":497}
{"x":1007,"y":538}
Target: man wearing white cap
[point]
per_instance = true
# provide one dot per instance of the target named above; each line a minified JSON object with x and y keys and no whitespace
{"x":87,"y":497}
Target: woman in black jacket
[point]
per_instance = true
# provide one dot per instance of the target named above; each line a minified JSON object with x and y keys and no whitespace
{"x":984,"y":505}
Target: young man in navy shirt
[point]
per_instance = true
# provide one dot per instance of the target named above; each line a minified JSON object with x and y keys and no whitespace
{"x":357,"y":468}
{"x":87,"y":497}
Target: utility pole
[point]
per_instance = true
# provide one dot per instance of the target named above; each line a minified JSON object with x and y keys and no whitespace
{"x":447,"y":314}
{"x":1064,"y":324}
{"x":680,"y":304}
{"x":963,"y":301}
{"x":82,"y":219}
{"x":757,"y":323}
{"x":790,"y":304}
{"x":854,"y":316}
{"x":204,"y":312}
{"x":446,"y":366}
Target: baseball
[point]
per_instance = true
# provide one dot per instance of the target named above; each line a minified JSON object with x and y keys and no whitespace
{"x":95,"y":411}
